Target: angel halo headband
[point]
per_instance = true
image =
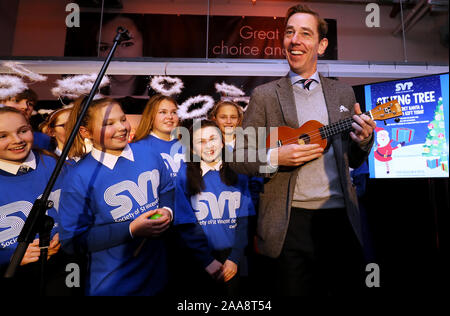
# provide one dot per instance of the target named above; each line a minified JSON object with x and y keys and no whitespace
{"x":168,"y":86}
{"x":13,"y":84}
{"x":232,"y":93}
{"x":229,"y":90}
{"x":207,"y":104}
{"x":75,"y":86}
{"x":20,"y":70}
{"x":10,"y":86}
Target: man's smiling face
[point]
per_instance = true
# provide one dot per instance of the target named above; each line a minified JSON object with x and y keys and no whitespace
{"x":302,"y":45}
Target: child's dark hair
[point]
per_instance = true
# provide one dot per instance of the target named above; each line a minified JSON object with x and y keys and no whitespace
{"x":194,"y":176}
{"x":28,"y":95}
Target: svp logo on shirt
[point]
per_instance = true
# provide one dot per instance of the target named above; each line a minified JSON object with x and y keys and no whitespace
{"x":114,"y":195}
{"x":172,"y":164}
{"x":207,"y":203}
{"x":13,"y":216}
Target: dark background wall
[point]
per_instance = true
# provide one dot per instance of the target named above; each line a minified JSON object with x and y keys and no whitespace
{"x":408,"y":220}
{"x":8,"y":9}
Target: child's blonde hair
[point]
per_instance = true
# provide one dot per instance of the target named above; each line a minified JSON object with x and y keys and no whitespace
{"x":218,"y":105}
{"x":48,"y":125}
{"x":10,"y":109}
{"x":149,"y":114}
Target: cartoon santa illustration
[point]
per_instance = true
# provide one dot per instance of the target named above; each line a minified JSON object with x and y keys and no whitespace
{"x":384,"y":150}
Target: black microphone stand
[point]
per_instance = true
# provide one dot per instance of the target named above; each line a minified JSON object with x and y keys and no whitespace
{"x":37,"y":221}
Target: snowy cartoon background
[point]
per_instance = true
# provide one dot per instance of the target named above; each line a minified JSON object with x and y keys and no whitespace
{"x":418,"y":145}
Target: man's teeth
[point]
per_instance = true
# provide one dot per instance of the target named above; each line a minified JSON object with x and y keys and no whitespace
{"x":296,"y":52}
{"x":18,"y":148}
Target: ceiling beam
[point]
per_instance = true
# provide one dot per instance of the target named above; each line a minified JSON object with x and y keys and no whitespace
{"x":227,"y":67}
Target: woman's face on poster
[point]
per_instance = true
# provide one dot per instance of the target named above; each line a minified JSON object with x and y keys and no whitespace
{"x":130,"y":48}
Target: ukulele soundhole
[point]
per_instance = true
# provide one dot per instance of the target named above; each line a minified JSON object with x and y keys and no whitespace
{"x":304,"y":139}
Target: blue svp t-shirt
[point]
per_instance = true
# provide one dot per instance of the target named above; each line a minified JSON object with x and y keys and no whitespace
{"x":97,"y":207}
{"x":18,"y":193}
{"x":172,"y":152}
{"x":216,"y":209}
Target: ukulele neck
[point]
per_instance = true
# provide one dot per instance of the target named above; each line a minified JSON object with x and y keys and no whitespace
{"x":338,"y":127}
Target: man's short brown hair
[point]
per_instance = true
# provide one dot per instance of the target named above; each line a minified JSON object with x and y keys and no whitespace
{"x":322,"y":26}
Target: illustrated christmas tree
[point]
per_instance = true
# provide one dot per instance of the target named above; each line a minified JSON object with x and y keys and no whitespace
{"x":435,"y":143}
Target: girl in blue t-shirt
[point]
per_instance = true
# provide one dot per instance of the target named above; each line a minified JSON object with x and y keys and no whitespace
{"x":157,"y":127}
{"x":212,"y":205}
{"x":229,"y":115}
{"x":107,"y":201}
{"x":23,"y":176}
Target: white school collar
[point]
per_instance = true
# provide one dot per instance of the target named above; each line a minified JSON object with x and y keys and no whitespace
{"x":58,"y":153}
{"x":205,"y":167}
{"x":109,"y":160}
{"x":172,"y":137}
{"x":30,"y":162}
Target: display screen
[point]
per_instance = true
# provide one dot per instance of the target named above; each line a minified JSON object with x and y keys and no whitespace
{"x":416,"y":145}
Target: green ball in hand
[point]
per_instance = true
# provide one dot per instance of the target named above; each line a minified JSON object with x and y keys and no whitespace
{"x":155,"y":216}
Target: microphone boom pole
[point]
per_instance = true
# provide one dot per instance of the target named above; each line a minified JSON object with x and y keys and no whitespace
{"x":36,"y":220}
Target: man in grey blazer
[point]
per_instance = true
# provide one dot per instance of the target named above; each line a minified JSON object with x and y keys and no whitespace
{"x":308,"y":216}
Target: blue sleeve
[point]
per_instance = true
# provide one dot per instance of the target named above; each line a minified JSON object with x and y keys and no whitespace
{"x":240,"y":240}
{"x":166,"y":192}
{"x":246,"y":208}
{"x":183,"y":209}
{"x":42,"y":141}
{"x":77,"y":231}
{"x":167,"y":199}
{"x":241,"y":233}
{"x":194,"y":237}
{"x":4,"y":260}
{"x":256,"y":186}
{"x":186,"y":223}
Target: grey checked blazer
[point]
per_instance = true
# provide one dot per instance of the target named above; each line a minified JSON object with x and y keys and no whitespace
{"x":271,"y":105}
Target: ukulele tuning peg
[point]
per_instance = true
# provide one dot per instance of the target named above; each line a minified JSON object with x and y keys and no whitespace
{"x":385,"y":123}
{"x":378,"y":103}
{"x":389,"y":99}
{"x":397,"y":120}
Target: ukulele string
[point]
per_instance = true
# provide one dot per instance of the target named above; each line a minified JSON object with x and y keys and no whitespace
{"x":338,"y":127}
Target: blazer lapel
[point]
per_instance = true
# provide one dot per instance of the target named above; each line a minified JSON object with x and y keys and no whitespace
{"x":287,"y":102}
{"x":330,"y":93}
{"x":334,"y":115}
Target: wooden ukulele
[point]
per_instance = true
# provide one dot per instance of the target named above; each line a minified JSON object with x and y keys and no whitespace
{"x":314,"y":132}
